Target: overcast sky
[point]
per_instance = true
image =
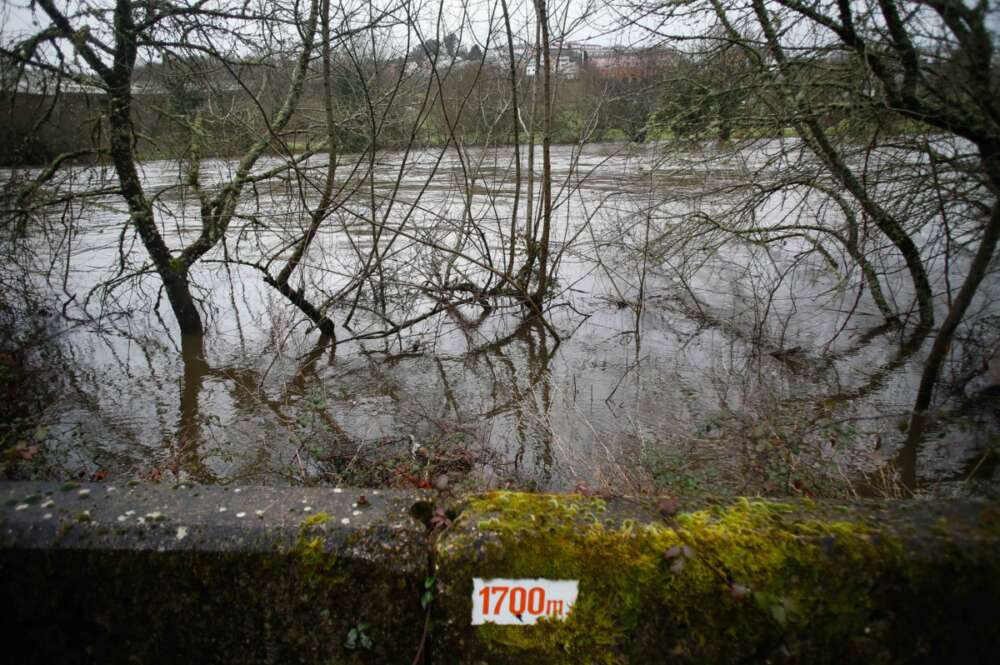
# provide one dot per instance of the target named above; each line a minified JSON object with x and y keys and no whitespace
{"x":596,"y":22}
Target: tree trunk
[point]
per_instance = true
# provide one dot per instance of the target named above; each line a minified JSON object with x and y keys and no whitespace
{"x":119,"y":81}
{"x":543,"y":244}
{"x":515,"y":128}
{"x":175,"y":282}
{"x":906,"y":460}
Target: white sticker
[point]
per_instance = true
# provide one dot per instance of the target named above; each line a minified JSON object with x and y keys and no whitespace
{"x":521,"y":602}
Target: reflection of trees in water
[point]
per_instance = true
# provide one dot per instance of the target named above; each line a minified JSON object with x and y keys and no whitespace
{"x":332,"y":450}
{"x":189,"y":434}
{"x":530,"y":400}
{"x":813,"y":406}
{"x":516,"y":368}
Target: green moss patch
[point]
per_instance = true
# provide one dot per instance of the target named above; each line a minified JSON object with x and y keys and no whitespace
{"x":317,"y":565}
{"x":752,"y":581}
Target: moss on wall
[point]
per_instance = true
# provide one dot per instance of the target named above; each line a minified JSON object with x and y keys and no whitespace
{"x":752,"y":581}
{"x":744,"y":581}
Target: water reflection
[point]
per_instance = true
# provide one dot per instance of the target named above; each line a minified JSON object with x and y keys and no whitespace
{"x":187,"y":455}
{"x":691,"y":379}
{"x":529,"y":400}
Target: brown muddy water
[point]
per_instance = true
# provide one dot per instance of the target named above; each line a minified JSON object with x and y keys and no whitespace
{"x":712,"y":367}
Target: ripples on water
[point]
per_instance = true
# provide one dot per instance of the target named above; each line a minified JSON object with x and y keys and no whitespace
{"x":696,"y":391}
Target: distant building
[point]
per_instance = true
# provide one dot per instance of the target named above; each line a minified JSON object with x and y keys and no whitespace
{"x":568,"y":61}
{"x":573,"y":59}
{"x":620,"y":63}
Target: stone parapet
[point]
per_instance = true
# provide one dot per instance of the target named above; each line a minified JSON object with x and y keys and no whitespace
{"x":148,"y":574}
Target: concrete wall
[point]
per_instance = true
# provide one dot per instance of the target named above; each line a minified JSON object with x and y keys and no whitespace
{"x":104,"y":574}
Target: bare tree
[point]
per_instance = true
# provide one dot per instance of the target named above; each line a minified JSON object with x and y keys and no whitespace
{"x":108,"y":40}
{"x":896,"y":106}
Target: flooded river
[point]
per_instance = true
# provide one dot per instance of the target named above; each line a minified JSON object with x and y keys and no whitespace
{"x":708,"y":367}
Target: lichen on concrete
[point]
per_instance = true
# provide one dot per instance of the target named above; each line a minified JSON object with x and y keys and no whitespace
{"x":750,"y":581}
{"x":285,"y":587}
{"x":160,"y":574}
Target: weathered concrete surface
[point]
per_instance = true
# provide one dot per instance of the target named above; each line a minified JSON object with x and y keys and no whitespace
{"x":750,"y":581}
{"x":150,"y":574}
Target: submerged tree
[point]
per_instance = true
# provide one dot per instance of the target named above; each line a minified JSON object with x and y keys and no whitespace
{"x":108,"y":41}
{"x":897,"y":150}
{"x":284,"y":92}
{"x":937,"y":67}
